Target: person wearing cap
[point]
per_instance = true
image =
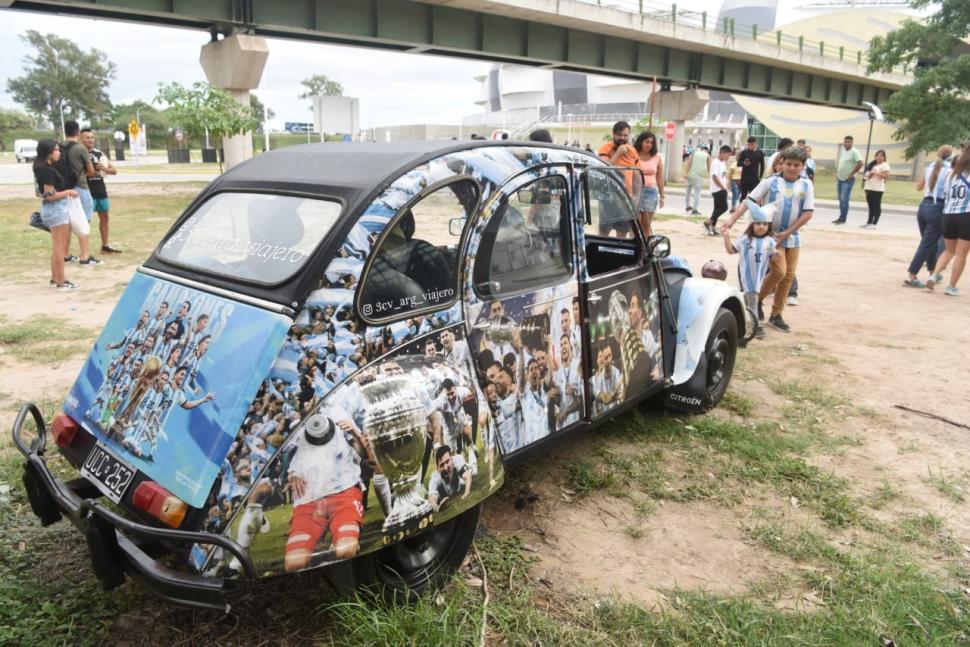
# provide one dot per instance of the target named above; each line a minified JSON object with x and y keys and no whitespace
{"x":755,"y":248}
{"x":324,"y":478}
{"x":794,"y":200}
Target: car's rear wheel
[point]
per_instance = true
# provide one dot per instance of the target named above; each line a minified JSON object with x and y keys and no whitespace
{"x":402,"y":571}
{"x":721,"y":351}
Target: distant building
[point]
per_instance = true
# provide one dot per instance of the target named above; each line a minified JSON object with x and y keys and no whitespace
{"x":581,"y":107}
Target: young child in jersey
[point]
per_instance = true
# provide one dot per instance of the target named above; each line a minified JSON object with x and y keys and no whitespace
{"x":755,"y":247}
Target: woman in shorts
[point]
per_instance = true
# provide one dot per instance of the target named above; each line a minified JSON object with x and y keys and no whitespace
{"x":956,"y":222}
{"x":652,"y":165}
{"x":53,"y":208}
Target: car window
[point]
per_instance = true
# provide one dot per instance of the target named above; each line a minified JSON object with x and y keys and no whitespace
{"x":611,"y":229}
{"x":414,"y":267}
{"x":526,"y":243}
{"x":250,"y":236}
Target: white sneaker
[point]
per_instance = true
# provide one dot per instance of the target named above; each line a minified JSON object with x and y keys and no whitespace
{"x":792,"y":301}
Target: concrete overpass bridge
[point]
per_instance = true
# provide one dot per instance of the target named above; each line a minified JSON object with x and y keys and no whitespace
{"x":615,"y":37}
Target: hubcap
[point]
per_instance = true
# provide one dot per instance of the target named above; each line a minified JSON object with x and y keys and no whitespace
{"x":409,"y":558}
{"x":717,"y":360}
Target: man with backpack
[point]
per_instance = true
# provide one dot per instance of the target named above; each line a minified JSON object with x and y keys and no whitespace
{"x":76,"y":167}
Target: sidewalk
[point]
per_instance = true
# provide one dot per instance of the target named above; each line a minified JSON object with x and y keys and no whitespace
{"x":896,"y":209}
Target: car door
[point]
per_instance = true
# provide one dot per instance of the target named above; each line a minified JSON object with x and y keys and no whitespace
{"x":619,"y":295}
{"x":525,"y":341}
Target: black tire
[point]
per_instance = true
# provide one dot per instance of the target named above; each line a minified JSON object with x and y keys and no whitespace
{"x":403,"y":571}
{"x":720,"y":351}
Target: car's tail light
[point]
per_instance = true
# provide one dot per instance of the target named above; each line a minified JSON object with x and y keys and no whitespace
{"x":152,"y":498}
{"x":64,"y":429}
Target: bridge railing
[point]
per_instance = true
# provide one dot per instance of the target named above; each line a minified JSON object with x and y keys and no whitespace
{"x":706,"y":21}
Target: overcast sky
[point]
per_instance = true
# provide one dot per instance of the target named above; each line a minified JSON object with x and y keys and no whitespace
{"x":393,"y":88}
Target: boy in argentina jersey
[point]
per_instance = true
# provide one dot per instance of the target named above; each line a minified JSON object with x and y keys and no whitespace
{"x":794,"y":200}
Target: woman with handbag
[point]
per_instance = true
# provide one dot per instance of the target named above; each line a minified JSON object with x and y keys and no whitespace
{"x":53,"y":209}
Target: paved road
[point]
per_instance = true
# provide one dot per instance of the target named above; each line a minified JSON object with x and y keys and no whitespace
{"x":22,"y":174}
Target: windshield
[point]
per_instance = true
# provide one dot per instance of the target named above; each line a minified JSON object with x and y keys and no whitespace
{"x":256,"y":237}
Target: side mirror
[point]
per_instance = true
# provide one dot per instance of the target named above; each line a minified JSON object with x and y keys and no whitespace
{"x":658,"y":246}
{"x":456,"y":226}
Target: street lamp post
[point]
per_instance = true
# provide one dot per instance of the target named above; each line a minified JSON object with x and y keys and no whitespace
{"x":874,"y":114}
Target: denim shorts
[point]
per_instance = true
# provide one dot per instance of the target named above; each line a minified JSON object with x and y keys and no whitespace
{"x":649,"y":198}
{"x":54,"y":214}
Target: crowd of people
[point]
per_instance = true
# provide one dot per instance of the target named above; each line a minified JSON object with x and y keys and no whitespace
{"x":63,"y":172}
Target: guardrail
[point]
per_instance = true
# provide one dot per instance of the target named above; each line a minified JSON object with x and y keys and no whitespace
{"x":707,"y":21}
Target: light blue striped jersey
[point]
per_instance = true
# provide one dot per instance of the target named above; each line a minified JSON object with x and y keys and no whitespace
{"x":753,"y":258}
{"x":790,"y":200}
{"x":957,"y":194}
{"x":928,"y":191}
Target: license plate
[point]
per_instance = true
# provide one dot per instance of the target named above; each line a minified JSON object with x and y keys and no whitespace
{"x":110,"y":474}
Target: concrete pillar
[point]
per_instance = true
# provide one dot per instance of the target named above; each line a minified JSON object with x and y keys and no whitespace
{"x":235,"y":64}
{"x":678,"y":106}
{"x":674,"y":161}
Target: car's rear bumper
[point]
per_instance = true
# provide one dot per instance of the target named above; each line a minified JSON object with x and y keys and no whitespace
{"x":118,"y":546}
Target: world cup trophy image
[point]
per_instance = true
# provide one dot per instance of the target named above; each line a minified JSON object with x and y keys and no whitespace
{"x":396,"y":421}
{"x":150,"y":370}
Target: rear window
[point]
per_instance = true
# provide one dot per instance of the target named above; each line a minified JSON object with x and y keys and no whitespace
{"x":251,"y":236}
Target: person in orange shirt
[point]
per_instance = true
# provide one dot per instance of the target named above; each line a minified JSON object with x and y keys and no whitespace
{"x":620,"y":152}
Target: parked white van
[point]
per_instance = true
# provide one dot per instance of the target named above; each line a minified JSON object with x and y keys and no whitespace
{"x":25,"y":150}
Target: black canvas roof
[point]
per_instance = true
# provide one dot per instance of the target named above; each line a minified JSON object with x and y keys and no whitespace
{"x":350,"y":170}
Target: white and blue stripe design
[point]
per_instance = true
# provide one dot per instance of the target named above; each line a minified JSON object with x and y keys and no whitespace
{"x":790,"y":198}
{"x":957,"y":194}
{"x":753,"y":260}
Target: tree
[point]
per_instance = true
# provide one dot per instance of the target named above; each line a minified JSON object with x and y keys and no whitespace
{"x":14,"y":120}
{"x":320,"y":84}
{"x":204,"y":107}
{"x":260,"y":112}
{"x":63,"y":81}
{"x":155,"y":121}
{"x":935,"y":108}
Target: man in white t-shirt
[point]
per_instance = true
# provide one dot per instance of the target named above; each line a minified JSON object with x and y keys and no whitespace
{"x":719,"y":188}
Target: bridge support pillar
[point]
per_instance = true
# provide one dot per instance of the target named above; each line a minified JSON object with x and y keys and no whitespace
{"x":678,"y":106}
{"x":235,"y":64}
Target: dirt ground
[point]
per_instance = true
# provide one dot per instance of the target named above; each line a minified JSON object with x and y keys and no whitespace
{"x":864,"y":336}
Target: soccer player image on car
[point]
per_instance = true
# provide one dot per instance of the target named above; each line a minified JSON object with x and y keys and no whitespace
{"x":336,"y":351}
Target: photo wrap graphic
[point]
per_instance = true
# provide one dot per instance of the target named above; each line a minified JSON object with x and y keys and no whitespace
{"x":169,"y":377}
{"x":328,"y":344}
{"x":625,"y":336}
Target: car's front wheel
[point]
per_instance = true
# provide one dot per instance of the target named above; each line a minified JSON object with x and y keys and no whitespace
{"x":402,"y":571}
{"x":721,"y":351}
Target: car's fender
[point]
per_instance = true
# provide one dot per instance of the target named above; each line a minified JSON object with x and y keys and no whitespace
{"x":700,"y":300}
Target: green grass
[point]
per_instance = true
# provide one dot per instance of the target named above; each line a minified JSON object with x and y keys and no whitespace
{"x":47,"y":592}
{"x":137,"y":224}
{"x":950,"y":486}
{"x":898,"y":191}
{"x":884,"y":494}
{"x":44,"y":339}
